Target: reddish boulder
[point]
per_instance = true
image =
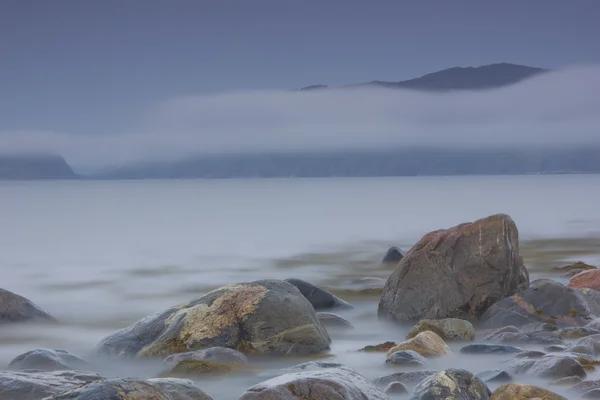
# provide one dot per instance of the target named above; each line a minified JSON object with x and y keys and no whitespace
{"x":586,"y":279}
{"x":456,"y":273}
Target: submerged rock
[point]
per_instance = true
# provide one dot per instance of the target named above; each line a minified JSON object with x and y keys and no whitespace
{"x":265,"y":317}
{"x":332,"y":320}
{"x":135,"y":388}
{"x":396,"y":388}
{"x":456,"y":273}
{"x":486,"y":348}
{"x":17,"y":308}
{"x":408,"y":378}
{"x":579,"y":265}
{"x":548,"y":366}
{"x":447,"y":328}
{"x":451,"y":384}
{"x":586,"y":279}
{"x":406,"y":357}
{"x":202,"y":362}
{"x":518,"y":391}
{"x":35,"y":385}
{"x":319,"y":298}
{"x":382,"y":347}
{"x":548,"y":301}
{"x":393,"y":256}
{"x":427,"y":344}
{"x":47,"y":360}
{"x":589,"y":345}
{"x":332,"y":381}
{"x":495,"y":376}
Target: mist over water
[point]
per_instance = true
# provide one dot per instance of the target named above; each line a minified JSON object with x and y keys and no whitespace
{"x":101,"y":255}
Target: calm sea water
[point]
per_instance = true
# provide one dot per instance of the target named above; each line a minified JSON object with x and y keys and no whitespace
{"x":100,"y":255}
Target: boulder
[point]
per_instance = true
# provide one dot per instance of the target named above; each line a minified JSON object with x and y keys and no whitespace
{"x":594,"y":324}
{"x":406,"y":357}
{"x":549,"y":366}
{"x":456,"y":273}
{"x":35,"y":385}
{"x":264,"y":317}
{"x":579,"y":265}
{"x":47,"y":360}
{"x":518,"y":391}
{"x":540,"y":337}
{"x":586,"y":279}
{"x":330,"y":381}
{"x":427,"y":344}
{"x":396,"y":388}
{"x":592,"y":394}
{"x":589,"y":345}
{"x":495,"y":376}
{"x":451,"y":384}
{"x":449,"y":329}
{"x":135,"y":388}
{"x":547,"y":301}
{"x":538,"y":327}
{"x":485,"y":348}
{"x":393,"y":256}
{"x":577,"y":332}
{"x":332,"y":320}
{"x":17,"y":308}
{"x":209,"y":361}
{"x":408,"y":378}
{"x":319,"y":298}
{"x":568,"y":381}
{"x":381,"y":347}
{"x":585,"y":386}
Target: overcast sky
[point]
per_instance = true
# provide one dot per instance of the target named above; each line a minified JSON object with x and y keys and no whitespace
{"x":118,"y":70}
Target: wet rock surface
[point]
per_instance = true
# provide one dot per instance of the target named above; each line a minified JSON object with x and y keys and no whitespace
{"x":47,"y":360}
{"x":495,"y":376}
{"x":393,"y":256}
{"x":265,"y":317}
{"x":549,"y":366}
{"x":16,"y":308}
{"x":35,"y":385}
{"x":449,"y":329}
{"x":546,"y":301}
{"x":330,"y":381}
{"x":427,"y":344}
{"x":333,"y":320}
{"x":586,"y":279}
{"x":213,"y":360}
{"x":456,"y":273}
{"x":406,"y":357}
{"x":451,"y":384}
{"x":518,"y":391}
{"x":319,"y":298}
{"x":486,"y":348}
{"x":408,"y":378}
{"x":135,"y":388}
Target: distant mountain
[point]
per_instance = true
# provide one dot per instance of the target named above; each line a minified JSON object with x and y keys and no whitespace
{"x":25,"y":167}
{"x":401,"y":162}
{"x":459,"y":78}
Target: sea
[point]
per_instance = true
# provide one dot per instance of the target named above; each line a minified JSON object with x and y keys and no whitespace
{"x":99,"y":255}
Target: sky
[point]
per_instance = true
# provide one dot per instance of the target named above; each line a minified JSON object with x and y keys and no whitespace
{"x":121,"y":71}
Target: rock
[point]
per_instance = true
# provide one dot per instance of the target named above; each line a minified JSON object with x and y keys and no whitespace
{"x":577,"y":332}
{"x":556,"y":348}
{"x":135,"y":388}
{"x":585,"y":386}
{"x":332,"y":320}
{"x":17,"y":308}
{"x":47,"y":360}
{"x":586,"y":279}
{"x":495,"y":376}
{"x":507,"y":337}
{"x":572,"y":273}
{"x":264,"y":317}
{"x":209,"y":361}
{"x":484,"y":348}
{"x":594,"y":324}
{"x":530,"y":354}
{"x":538,"y":327}
{"x":544,"y":338}
{"x":393,"y":256}
{"x":427,"y":344}
{"x":545,"y":301}
{"x":35,"y":385}
{"x":518,"y":391}
{"x":592,"y":394}
{"x":386,"y":346}
{"x":567,"y":381}
{"x":455,"y":273}
{"x":511,"y":334}
{"x":578,"y":265}
{"x":396,"y":388}
{"x":588,"y":345}
{"x":550,"y":366}
{"x":409,"y":378}
{"x":447,"y":328}
{"x":451,"y":384}
{"x":406,"y":357}
{"x":336,"y":381}
{"x":319,"y":298}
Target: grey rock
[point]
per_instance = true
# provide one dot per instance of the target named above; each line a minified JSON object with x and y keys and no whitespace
{"x":125,"y":388}
{"x":265,"y":317}
{"x":319,"y":298}
{"x":495,"y":375}
{"x":334,"y":382}
{"x":550,"y":366}
{"x":538,"y":327}
{"x":393,"y":256}
{"x":217,"y":355}
{"x":406,"y":357}
{"x":47,"y":360}
{"x":408,"y":378}
{"x":332,"y":320}
{"x":556,"y":348}
{"x":484,"y":348}
{"x":545,"y":300}
{"x":396,"y":388}
{"x":592,"y":394}
{"x":17,"y":308}
{"x":577,"y":332}
{"x":35,"y":385}
{"x":453,"y":384}
{"x":530,"y":354}
{"x":455,"y":273}
{"x":588,"y":345}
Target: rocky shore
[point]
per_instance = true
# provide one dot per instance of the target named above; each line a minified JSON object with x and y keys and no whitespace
{"x":464,"y":292}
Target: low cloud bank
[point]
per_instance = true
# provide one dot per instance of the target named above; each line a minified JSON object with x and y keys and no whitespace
{"x":556,"y":109}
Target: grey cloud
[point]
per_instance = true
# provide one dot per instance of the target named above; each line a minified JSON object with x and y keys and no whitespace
{"x":555,"y":109}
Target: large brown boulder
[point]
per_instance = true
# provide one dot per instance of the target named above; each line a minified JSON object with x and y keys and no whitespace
{"x":518,"y":391}
{"x":586,"y":279}
{"x":456,"y":273}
